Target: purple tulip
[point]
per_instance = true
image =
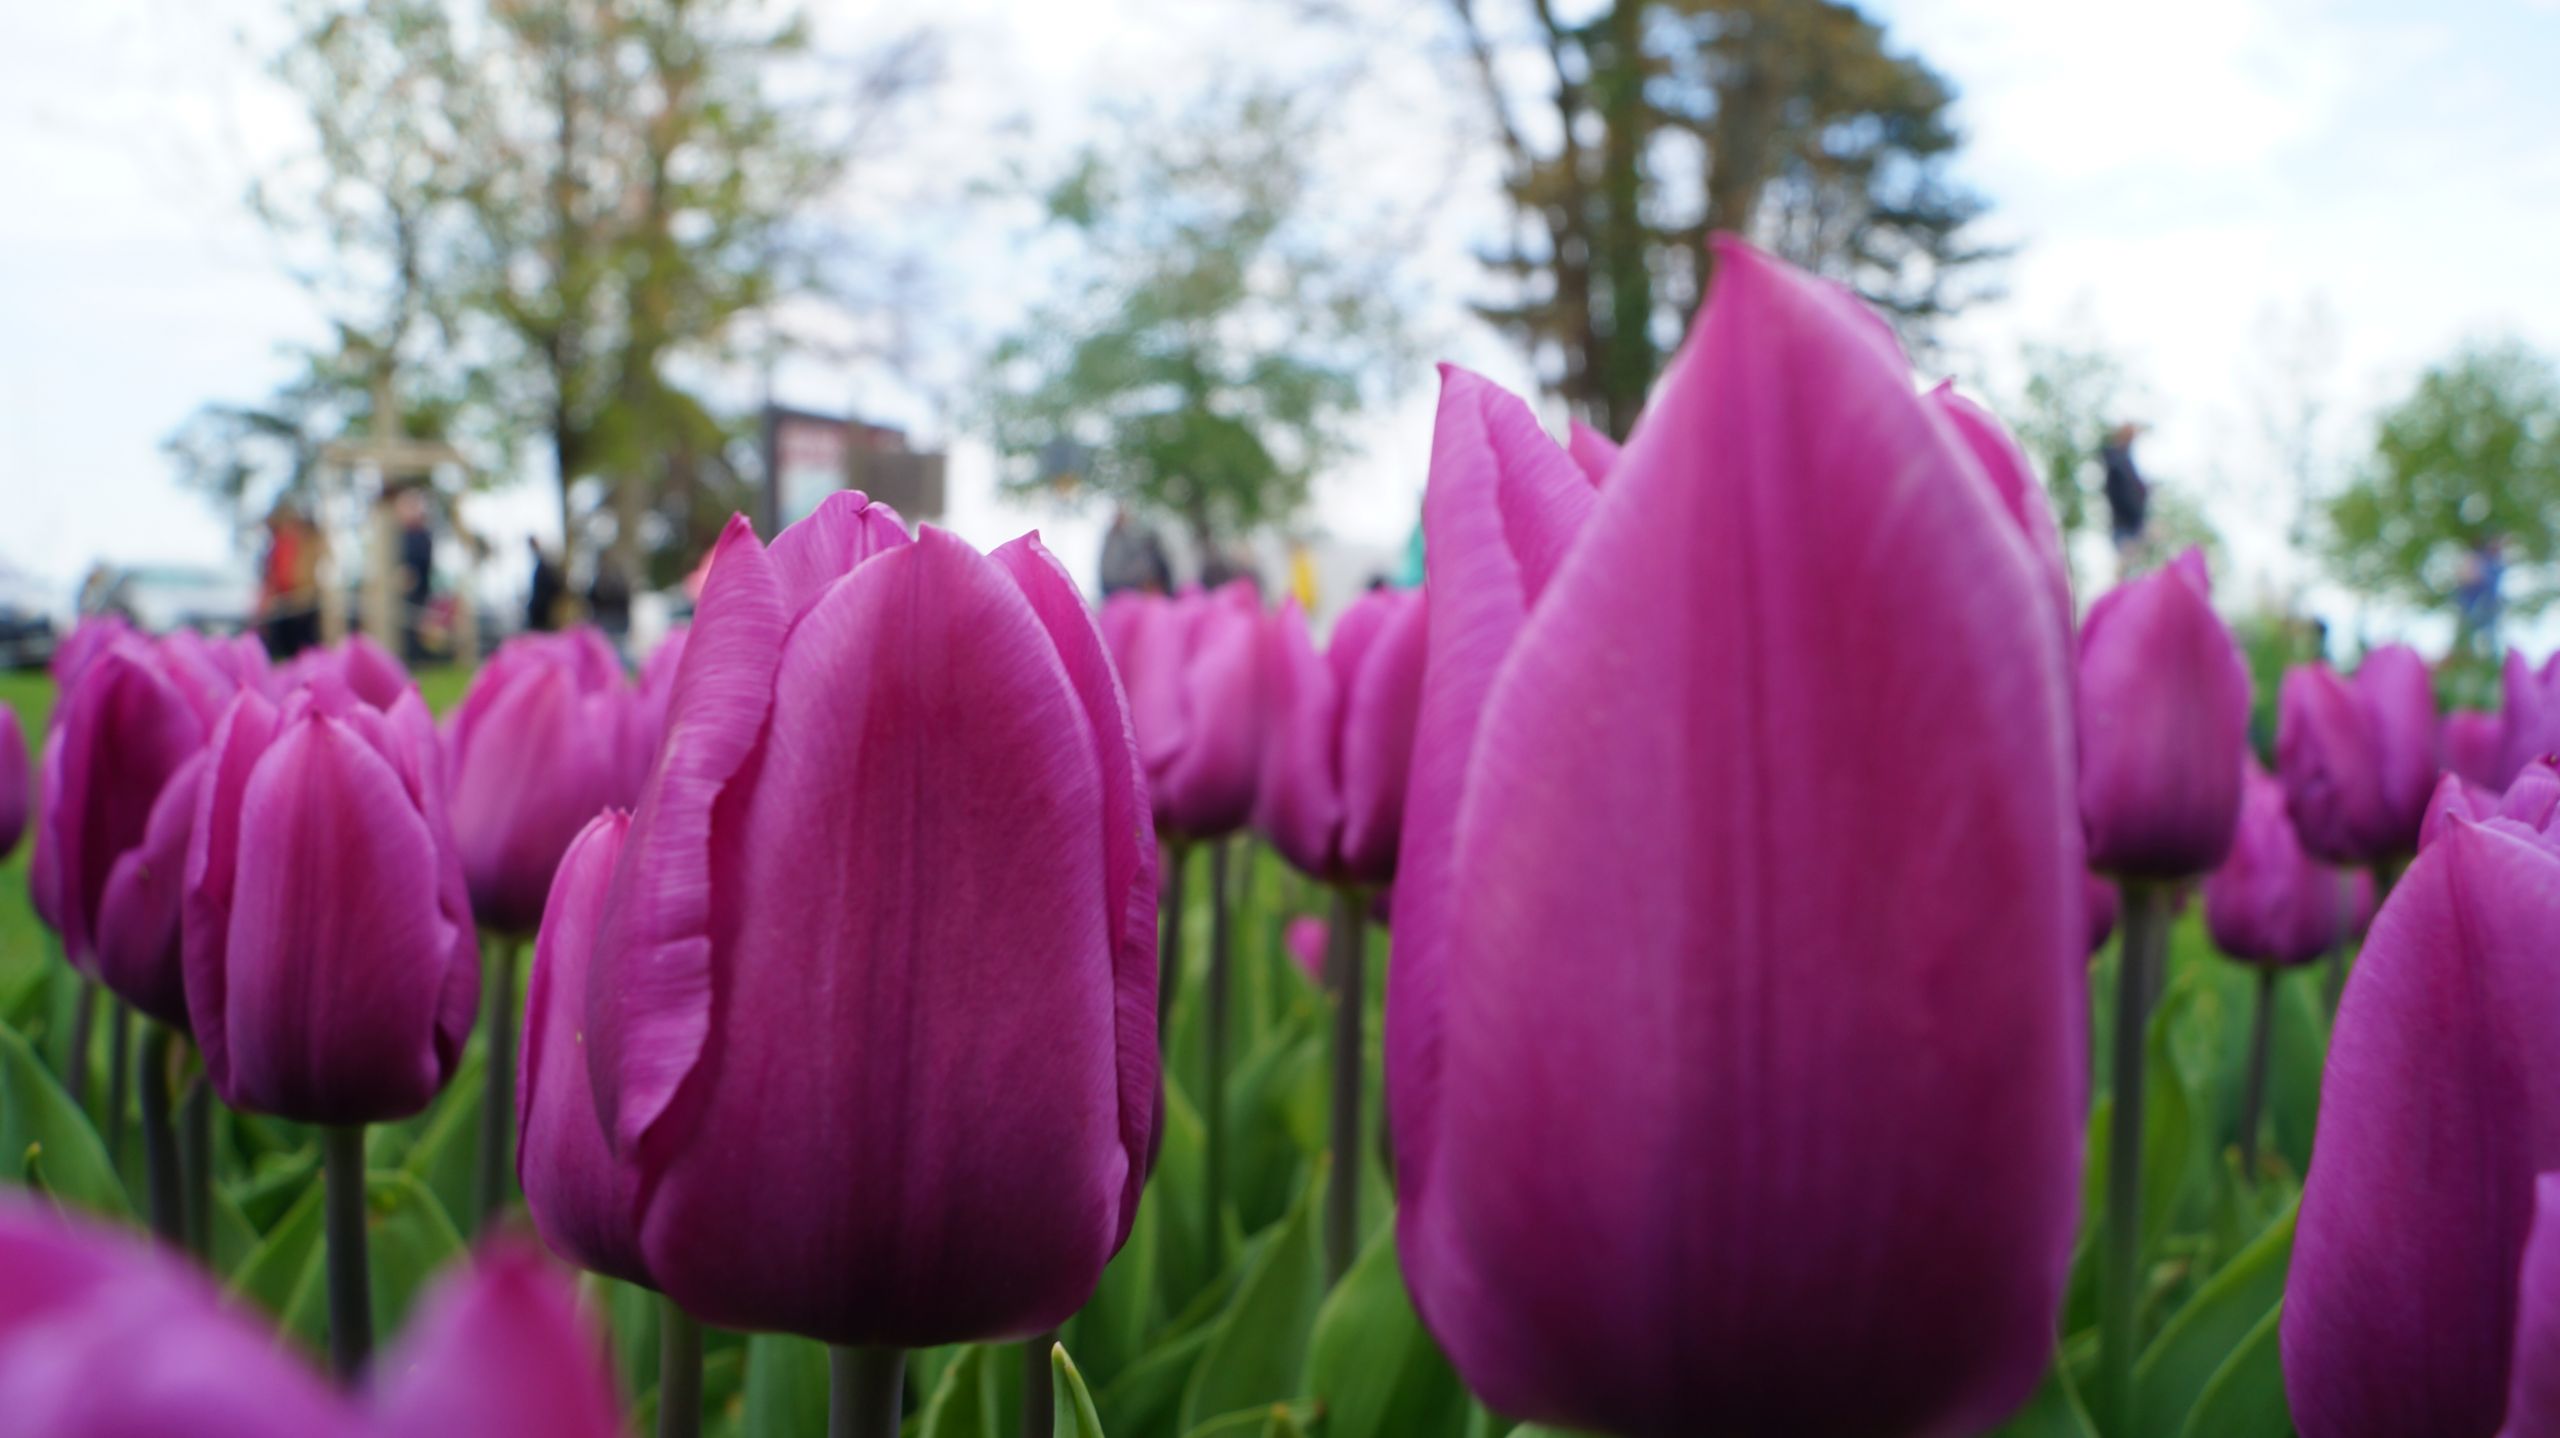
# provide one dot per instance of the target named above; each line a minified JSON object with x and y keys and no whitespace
{"x":331,"y":966}
{"x":583,"y":1199}
{"x":357,"y":662}
{"x":1681,"y":1137}
{"x":2021,"y":493}
{"x":1593,"y":452}
{"x":1340,"y":737}
{"x":2439,"y":1108}
{"x":2164,"y":718}
{"x":86,"y":639}
{"x":2272,"y":902}
{"x":2473,"y":745}
{"x":871,"y":1005}
{"x":2533,"y":1391}
{"x":548,"y":734}
{"x":1194,"y":672}
{"x":1309,"y":938}
{"x":658,"y":686}
{"x":14,"y":781}
{"x":499,"y":1351}
{"x":2529,"y":719}
{"x":121,"y":774}
{"x":2358,"y":756}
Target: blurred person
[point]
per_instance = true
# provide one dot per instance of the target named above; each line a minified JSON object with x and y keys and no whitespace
{"x":2128,"y":495}
{"x":550,"y":586}
{"x":417,"y":569}
{"x":1133,"y":558}
{"x":609,"y":601}
{"x":2477,"y":599}
{"x":289,"y":582}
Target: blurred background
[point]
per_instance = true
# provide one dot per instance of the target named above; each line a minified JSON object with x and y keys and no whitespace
{"x":447,"y":317}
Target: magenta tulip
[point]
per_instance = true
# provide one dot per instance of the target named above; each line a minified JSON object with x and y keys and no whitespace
{"x":658,"y":687}
{"x":871,"y":998}
{"x":121,"y":778}
{"x":549,"y":733}
{"x":583,"y":1199}
{"x":1682,"y":1137}
{"x":2359,"y":756}
{"x":1308,"y":938}
{"x":2164,"y":718}
{"x":2473,"y":744}
{"x":14,"y":781}
{"x":1340,"y":736}
{"x":331,"y":968}
{"x":2439,"y":1109}
{"x":2020,"y":491}
{"x":2529,"y":719}
{"x":2533,"y":1391}
{"x":1193,"y":669}
{"x":2272,"y":902}
{"x":498,"y":1351}
{"x":1593,"y":452}
{"x":364,"y":667}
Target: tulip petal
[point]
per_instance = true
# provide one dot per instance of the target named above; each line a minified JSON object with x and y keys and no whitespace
{"x":1595,"y":453}
{"x":125,"y":728}
{"x":2164,"y":719}
{"x":1381,"y":709}
{"x":2533,"y":1393}
{"x":1129,"y":846}
{"x":1502,"y":501}
{"x":2271,"y":902}
{"x":649,"y":994}
{"x":584,"y":1201}
{"x":213,"y":850}
{"x":16,"y":782}
{"x":845,"y":529}
{"x":2014,"y":480}
{"x":1775,"y":1138}
{"x":540,"y":757}
{"x":1299,"y":806}
{"x":138,"y":951}
{"x":2438,"y":1108}
{"x":1207,"y":789}
{"x":909,"y":1126}
{"x":498,"y":1351}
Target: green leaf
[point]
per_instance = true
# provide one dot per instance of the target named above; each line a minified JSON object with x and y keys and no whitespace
{"x":445,"y":1150}
{"x":786,"y":1394}
{"x":2054,"y":1412}
{"x":1183,"y":1262}
{"x":1070,"y":1405}
{"x":2246,"y":1394}
{"x":965,"y":1402}
{"x":1147,"y":1396}
{"x":45,"y":1136}
{"x":407,"y":1238}
{"x":1257,"y":1348}
{"x":1112,"y":1327}
{"x":272,"y":1272}
{"x":1377,"y":1372}
{"x":2173,"y":1372}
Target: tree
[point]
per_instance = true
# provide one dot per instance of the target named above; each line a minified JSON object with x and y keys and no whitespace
{"x":1657,"y":122}
{"x":1215,"y":330}
{"x":2470,"y":458}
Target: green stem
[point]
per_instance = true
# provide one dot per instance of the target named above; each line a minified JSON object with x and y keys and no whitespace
{"x":1169,"y":944}
{"x":84,"y":1012}
{"x":2120,"y":1254}
{"x":1350,"y":1010}
{"x":679,"y":1372}
{"x":195,"y":1164}
{"x":159,"y":1140}
{"x":1038,"y":1386}
{"x":343,"y":1216}
{"x":119,"y":1078}
{"x":2253,"y":1089}
{"x":498,"y":1096}
{"x":864,"y":1391}
{"x":1216,"y":1101}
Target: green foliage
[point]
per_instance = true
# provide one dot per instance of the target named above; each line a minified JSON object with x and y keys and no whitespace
{"x":1214,"y":331}
{"x":2470,"y":455}
{"x":2071,"y":395}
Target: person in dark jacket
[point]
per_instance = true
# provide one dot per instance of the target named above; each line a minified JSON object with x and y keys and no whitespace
{"x":2128,"y":496}
{"x":1133,"y":558}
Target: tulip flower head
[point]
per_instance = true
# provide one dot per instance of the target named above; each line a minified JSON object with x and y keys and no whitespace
{"x":870,"y":1005}
{"x":2358,"y":756}
{"x":2439,"y":1112}
{"x":2529,"y":718}
{"x":2164,"y":718}
{"x":2272,"y":902}
{"x":1193,"y":668}
{"x":548,"y":734}
{"x":1681,"y":1137}
{"x":331,"y":965}
{"x":1340,"y":740}
{"x":2473,"y":744}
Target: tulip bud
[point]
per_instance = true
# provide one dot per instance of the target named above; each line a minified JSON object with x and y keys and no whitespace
{"x":2358,"y":757}
{"x":2439,"y":1108}
{"x":2164,"y":718}
{"x":2473,"y":743}
{"x":14,"y":781}
{"x":880,"y":1042}
{"x":1308,"y":938}
{"x":2529,"y":719}
{"x":331,"y":966}
{"x":498,"y":1350}
{"x":2271,"y":902}
{"x":548,"y":734}
{"x":363,"y":667}
{"x":1194,"y":672}
{"x":1680,"y":1137}
{"x":1340,"y":739}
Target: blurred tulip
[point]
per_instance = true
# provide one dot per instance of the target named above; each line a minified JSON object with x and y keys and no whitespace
{"x":2533,"y":1391}
{"x":879,"y":1042}
{"x":583,"y":1200}
{"x":1593,"y":452}
{"x":2358,"y":756}
{"x":2472,"y":743}
{"x":104,"y":1336}
{"x":1698,"y":729}
{"x":498,"y":1350}
{"x":2528,"y":716}
{"x":85,"y":641}
{"x":2439,"y":1108}
{"x":1193,"y":669}
{"x":2102,"y":902}
{"x":2164,"y":719}
{"x":1340,"y":738}
{"x":2272,"y":902}
{"x":14,"y":781}
{"x":1307,"y":938}
{"x":330,"y":964}
{"x":2020,"y":491}
{"x":364,"y":667}
{"x":548,"y":734}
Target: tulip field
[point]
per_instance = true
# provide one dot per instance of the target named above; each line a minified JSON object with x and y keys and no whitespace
{"x":1742,"y":950}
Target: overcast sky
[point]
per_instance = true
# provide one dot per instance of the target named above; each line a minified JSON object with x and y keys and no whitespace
{"x":2186,"y":180}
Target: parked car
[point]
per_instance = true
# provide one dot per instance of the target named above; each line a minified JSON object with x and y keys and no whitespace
{"x":162,"y":597}
{"x":27,"y":629}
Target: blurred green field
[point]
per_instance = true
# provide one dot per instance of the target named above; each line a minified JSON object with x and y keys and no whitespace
{"x":23,"y":941}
